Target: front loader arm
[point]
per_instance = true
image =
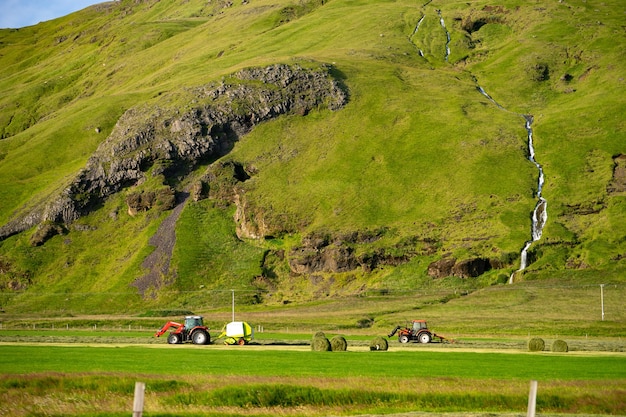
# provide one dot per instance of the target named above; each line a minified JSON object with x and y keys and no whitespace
{"x":394,"y":331}
{"x":167,"y":326}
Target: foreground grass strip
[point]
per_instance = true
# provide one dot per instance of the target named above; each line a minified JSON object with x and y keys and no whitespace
{"x":191,"y":380}
{"x":111,"y":394}
{"x":279,"y":395}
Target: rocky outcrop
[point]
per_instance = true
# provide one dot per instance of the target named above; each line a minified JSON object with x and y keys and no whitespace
{"x":467,"y":268}
{"x":170,"y":137}
{"x":306,"y":260}
{"x":44,"y":232}
{"x":322,"y":252}
{"x":441,"y":268}
{"x":618,"y":180}
{"x":163,"y":198}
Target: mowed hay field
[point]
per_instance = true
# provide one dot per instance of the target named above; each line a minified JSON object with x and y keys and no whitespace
{"x":269,"y":379}
{"x":88,"y":365}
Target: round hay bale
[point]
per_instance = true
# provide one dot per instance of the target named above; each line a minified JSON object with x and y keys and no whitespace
{"x":319,"y":334}
{"x":559,"y":346}
{"x":536,"y":344}
{"x":320,"y":344}
{"x":379,"y":343}
{"x":338,"y":344}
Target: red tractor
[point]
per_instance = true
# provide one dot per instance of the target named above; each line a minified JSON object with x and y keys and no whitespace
{"x":193,"y":330}
{"x":417,"y":333}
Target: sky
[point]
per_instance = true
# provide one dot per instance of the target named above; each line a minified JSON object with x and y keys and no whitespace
{"x":20,"y":13}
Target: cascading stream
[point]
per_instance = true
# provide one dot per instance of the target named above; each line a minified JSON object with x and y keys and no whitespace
{"x":443,"y":25}
{"x":417,"y":27}
{"x":540,"y":213}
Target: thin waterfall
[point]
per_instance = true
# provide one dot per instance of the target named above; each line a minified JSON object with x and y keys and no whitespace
{"x":540,"y":213}
{"x":443,"y":25}
{"x":417,"y":27}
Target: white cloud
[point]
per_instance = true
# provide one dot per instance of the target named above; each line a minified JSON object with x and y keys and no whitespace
{"x":20,"y":13}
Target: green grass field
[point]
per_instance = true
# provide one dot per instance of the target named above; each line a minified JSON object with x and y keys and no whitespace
{"x":257,"y":380}
{"x":417,"y":154}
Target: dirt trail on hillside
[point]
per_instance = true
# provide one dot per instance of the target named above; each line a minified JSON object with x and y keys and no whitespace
{"x":158,"y":262}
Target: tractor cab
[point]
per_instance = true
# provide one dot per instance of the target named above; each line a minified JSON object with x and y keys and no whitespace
{"x":193,"y":321}
{"x":419,"y":325}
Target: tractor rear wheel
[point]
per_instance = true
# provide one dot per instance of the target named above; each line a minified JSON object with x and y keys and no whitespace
{"x":173,"y":339}
{"x":403,"y":339}
{"x":200,"y":337}
{"x":241,"y":342}
{"x":424,"y":338}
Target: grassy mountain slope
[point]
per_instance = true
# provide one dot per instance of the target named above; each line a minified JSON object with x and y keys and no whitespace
{"x":418,"y":157}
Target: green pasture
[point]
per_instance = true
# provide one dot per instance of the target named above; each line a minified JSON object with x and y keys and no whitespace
{"x":265,"y":362}
{"x":255,"y":380}
{"x":565,"y":307}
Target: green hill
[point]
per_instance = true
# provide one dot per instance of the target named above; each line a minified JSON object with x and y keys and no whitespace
{"x":154,"y":151}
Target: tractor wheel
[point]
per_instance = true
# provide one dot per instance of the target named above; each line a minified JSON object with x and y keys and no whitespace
{"x":241,"y":342}
{"x":200,"y":337}
{"x":173,"y":339}
{"x":424,"y":338}
{"x":403,"y":339}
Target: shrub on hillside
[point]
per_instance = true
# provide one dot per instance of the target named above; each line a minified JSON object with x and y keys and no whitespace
{"x":365,"y":322}
{"x":559,"y":346}
{"x":338,"y":344}
{"x":379,"y":343}
{"x":536,"y":344}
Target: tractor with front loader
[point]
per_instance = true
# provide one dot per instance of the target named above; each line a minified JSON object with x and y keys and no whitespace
{"x":192,"y":330}
{"x":418,"y":332}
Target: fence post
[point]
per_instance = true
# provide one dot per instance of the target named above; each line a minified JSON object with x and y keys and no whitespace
{"x":532,"y":399}
{"x":140,"y":389}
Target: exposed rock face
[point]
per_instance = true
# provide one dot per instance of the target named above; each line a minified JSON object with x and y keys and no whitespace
{"x":468,"y":268}
{"x":320,"y":252}
{"x":145,"y":200}
{"x":471,"y":268}
{"x":306,"y":260}
{"x":194,"y":125}
{"x":441,"y":268}
{"x":44,"y":232}
{"x":618,"y":182}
